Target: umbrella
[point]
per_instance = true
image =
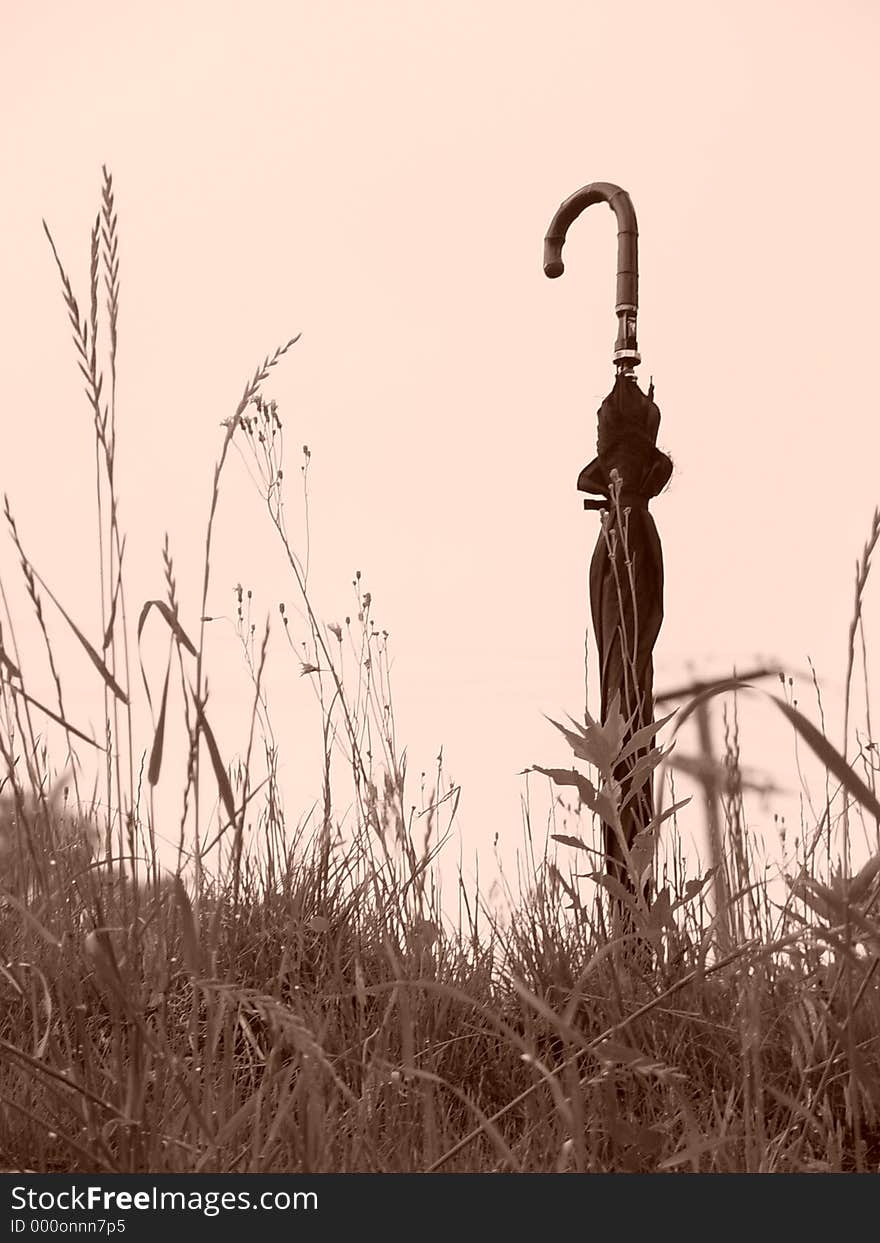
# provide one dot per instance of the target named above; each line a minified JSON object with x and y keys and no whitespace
{"x":626,"y":572}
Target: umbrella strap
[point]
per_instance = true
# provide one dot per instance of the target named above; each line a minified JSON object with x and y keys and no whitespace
{"x":628,"y":500}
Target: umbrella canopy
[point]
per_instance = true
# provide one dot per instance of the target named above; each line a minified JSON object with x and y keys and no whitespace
{"x":626,"y":580}
{"x":626,"y":572}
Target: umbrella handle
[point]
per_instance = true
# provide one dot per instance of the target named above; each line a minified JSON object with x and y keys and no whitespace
{"x":626,"y":350}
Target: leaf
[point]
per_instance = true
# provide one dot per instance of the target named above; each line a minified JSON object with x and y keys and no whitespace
{"x":568,"y":777}
{"x":616,"y":889}
{"x":859,"y":884}
{"x":17,"y":690}
{"x":709,"y":692}
{"x":607,"y":809}
{"x":318,"y":923}
{"x":830,"y":757}
{"x":41,"y":1045}
{"x":171,"y":618}
{"x":643,"y":736}
{"x":576,"y":904}
{"x":576,"y":842}
{"x":192,"y":950}
{"x":230,"y":823}
{"x":600,"y":743}
{"x":613,"y":728}
{"x":604,"y":747}
{"x":596,"y":800}
{"x":832,"y":904}
{"x":216,"y":762}
{"x":93,"y":656}
{"x":641,"y":852}
{"x":660,"y":915}
{"x":818,"y":743}
{"x":670,"y":811}
{"x":587,"y":792}
{"x":695,"y":886}
{"x":642,"y":773}
{"x":820,"y":898}
{"x":588,"y":744}
{"x":108,"y":633}
{"x":8,"y":665}
{"x":159,"y":737}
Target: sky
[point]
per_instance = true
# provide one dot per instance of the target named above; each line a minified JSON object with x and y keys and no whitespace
{"x":379,"y":175}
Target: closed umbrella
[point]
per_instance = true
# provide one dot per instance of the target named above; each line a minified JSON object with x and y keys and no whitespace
{"x":626,"y":571}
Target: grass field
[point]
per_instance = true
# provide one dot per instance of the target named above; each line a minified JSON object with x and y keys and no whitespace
{"x":298,"y":999}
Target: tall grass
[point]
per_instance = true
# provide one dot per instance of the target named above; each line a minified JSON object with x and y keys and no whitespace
{"x":296,"y":998}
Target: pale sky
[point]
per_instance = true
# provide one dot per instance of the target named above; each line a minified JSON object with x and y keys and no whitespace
{"x":379,"y":176}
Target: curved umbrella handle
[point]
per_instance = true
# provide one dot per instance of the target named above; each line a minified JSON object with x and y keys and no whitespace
{"x":626,"y":350}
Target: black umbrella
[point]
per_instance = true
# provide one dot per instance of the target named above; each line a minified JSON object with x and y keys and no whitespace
{"x":626,"y":572}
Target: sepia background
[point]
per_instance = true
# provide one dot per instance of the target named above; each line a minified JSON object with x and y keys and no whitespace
{"x":379,"y":176}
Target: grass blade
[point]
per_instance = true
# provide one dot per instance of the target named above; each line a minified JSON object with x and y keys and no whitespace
{"x":216,"y":762}
{"x":159,"y":737}
{"x":93,"y":656}
{"x":171,"y":618}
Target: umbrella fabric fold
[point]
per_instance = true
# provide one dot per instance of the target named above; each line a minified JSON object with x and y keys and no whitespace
{"x":626,"y":580}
